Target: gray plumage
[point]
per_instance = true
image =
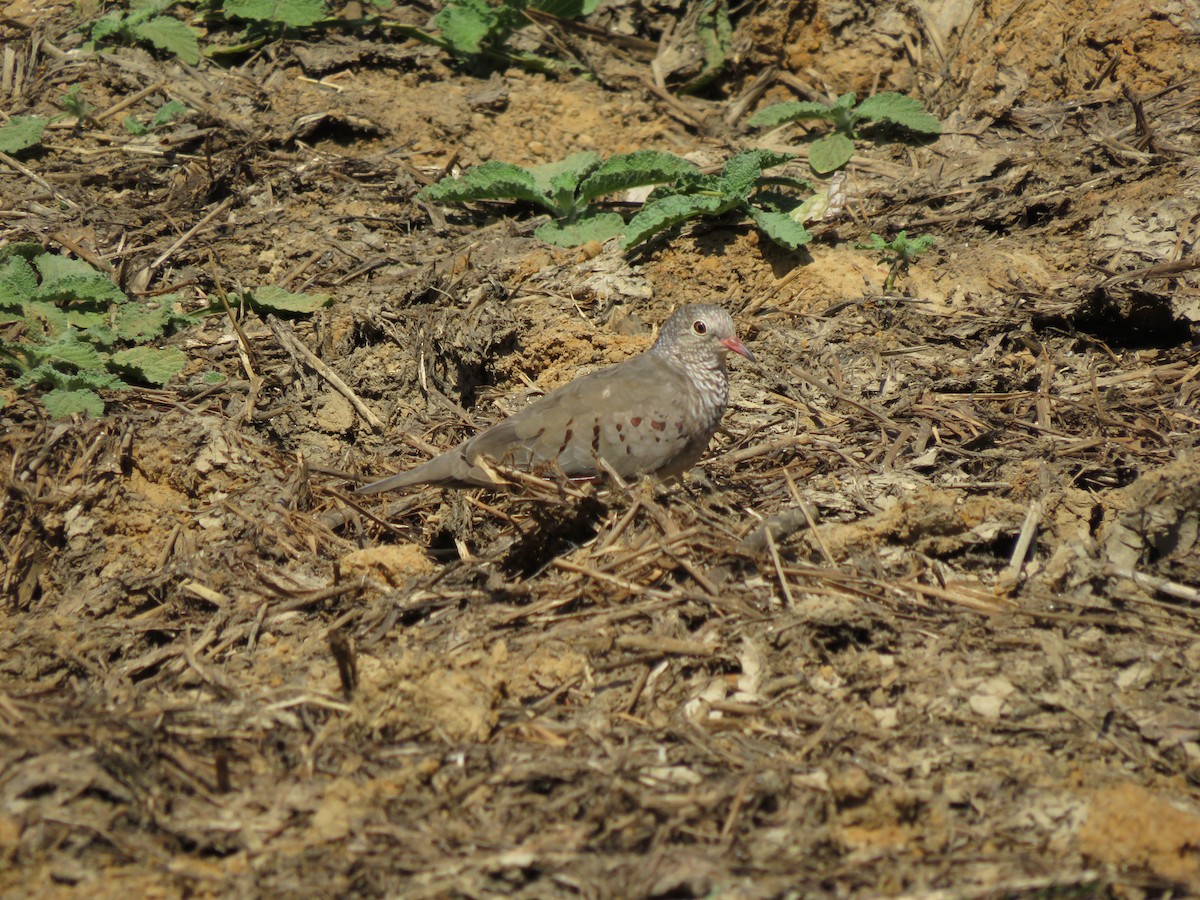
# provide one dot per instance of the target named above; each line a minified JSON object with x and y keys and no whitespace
{"x":653,"y":414}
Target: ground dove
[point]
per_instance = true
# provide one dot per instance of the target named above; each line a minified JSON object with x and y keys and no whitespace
{"x":650,"y":415}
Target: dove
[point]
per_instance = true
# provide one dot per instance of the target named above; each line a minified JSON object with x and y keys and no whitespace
{"x":653,"y":414}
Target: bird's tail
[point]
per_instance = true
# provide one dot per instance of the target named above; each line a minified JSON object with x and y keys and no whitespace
{"x":439,"y":470}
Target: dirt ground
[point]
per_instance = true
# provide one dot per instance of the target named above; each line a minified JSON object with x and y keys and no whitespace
{"x":925,"y":621}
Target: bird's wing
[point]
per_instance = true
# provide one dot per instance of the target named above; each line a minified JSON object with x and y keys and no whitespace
{"x":638,"y":416}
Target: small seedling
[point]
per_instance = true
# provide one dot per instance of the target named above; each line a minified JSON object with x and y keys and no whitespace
{"x":74,"y":332}
{"x":144,"y":23}
{"x":167,"y":113}
{"x":832,"y":151}
{"x":901,"y":250}
{"x":566,"y":189}
{"x":740,"y":186}
{"x":76,"y":104}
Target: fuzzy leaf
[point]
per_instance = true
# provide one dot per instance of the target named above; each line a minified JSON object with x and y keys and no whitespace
{"x":69,"y":279}
{"x":793,"y":110}
{"x":781,"y":228}
{"x":906,"y":112}
{"x":140,"y":322}
{"x":270,"y":298}
{"x":494,"y":180}
{"x":742,"y":170}
{"x":629,"y":170}
{"x":294,"y":13}
{"x":21,"y":133}
{"x":166,"y":113}
{"x":558,"y":180}
{"x":18,"y":282}
{"x":27,"y":250}
{"x":170,"y":35}
{"x":63,"y":403}
{"x":50,"y":375}
{"x":149,"y":364}
{"x":598,"y":226}
{"x":69,"y":350}
{"x":466,"y":25}
{"x":830,"y":152}
{"x":107,"y":25}
{"x":658,"y":215}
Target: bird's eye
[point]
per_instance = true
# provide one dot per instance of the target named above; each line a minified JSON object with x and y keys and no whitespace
{"x":699,"y":327}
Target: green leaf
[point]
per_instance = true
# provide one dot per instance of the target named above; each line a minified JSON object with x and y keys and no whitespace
{"x":69,"y":350}
{"x":107,"y":25}
{"x":566,"y":9}
{"x":140,"y":322}
{"x":49,"y":375}
{"x":63,"y":403}
{"x":74,"y":103}
{"x":27,"y":250}
{"x":658,"y":215}
{"x":592,"y":226}
{"x":64,"y":278}
{"x":844,"y":102}
{"x":294,"y":13}
{"x":918,"y":245}
{"x":150,"y":7}
{"x":270,"y":298}
{"x":630,"y":170}
{"x":742,"y":170}
{"x":171,"y":36}
{"x":44,"y":320}
{"x":151,"y":365}
{"x":900,"y":110}
{"x":558,"y":180}
{"x":18,"y":282}
{"x":466,"y":25}
{"x":829,"y":153}
{"x":494,"y":180}
{"x":781,"y":228}
{"x":793,"y":110}
{"x":134,"y":127}
{"x":21,"y":133}
{"x":168,"y":112}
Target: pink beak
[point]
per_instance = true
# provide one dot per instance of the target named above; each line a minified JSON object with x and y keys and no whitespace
{"x":738,"y":347}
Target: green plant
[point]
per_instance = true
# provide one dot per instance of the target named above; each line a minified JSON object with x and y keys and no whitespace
{"x":76,"y":105}
{"x":832,"y":151}
{"x":277,"y":14}
{"x":479,"y":32}
{"x":901,"y":250}
{"x":73,"y":331}
{"x":165,"y":114}
{"x":144,"y":22}
{"x":740,"y":186}
{"x":23,"y":132}
{"x":565,"y":188}
{"x":272,"y":299}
